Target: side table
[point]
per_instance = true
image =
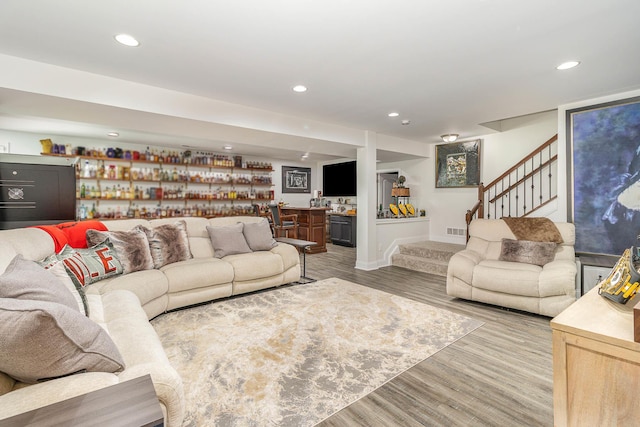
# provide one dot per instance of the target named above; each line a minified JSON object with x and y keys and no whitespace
{"x":129,"y":403}
{"x":304,"y":245}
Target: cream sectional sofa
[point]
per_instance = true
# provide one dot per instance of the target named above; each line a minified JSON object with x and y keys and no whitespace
{"x":477,"y":273}
{"x":124,"y":304}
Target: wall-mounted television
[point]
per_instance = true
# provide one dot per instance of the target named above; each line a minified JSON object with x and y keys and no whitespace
{"x":339,"y":180}
{"x":36,"y":190}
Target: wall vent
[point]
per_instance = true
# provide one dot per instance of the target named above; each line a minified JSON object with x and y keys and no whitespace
{"x":453,"y":231}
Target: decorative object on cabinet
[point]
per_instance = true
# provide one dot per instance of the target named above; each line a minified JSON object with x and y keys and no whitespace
{"x":282,"y":224}
{"x":296,"y":180}
{"x":623,"y":281}
{"x":458,"y":164}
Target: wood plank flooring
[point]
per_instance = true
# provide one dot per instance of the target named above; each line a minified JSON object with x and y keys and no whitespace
{"x":499,"y":375}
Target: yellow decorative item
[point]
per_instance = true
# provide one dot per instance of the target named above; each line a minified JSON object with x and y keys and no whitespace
{"x":47,"y":146}
{"x":394,"y":209}
{"x":403,"y":209}
{"x":411,"y":209}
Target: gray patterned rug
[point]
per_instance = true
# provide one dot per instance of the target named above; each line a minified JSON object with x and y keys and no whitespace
{"x":294,"y":356}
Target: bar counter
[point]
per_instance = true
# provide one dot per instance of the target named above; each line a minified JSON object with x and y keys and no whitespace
{"x":312,"y":226}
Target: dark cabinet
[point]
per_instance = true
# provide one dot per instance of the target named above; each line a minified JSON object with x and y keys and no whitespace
{"x":343,"y":230}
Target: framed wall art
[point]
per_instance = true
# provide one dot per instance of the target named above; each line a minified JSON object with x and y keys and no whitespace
{"x":603,"y":144}
{"x":458,"y":164}
{"x":296,"y":179}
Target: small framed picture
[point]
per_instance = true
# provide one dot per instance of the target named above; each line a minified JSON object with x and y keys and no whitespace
{"x":296,"y":179}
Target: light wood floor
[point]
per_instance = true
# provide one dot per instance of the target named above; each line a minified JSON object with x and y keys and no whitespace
{"x":499,"y":375}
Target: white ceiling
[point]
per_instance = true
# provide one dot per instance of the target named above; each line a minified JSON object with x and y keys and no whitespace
{"x":447,"y":66}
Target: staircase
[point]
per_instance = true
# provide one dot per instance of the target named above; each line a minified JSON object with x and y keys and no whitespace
{"x":427,"y":257}
{"x":524,"y":188}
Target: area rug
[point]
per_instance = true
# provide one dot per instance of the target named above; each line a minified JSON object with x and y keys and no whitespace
{"x":295,"y":355}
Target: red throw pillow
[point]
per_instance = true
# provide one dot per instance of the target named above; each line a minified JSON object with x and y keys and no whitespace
{"x":76,"y":231}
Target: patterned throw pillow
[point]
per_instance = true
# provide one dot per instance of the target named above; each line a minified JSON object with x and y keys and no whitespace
{"x":86,"y":266}
{"x":43,"y":340}
{"x":24,"y":279}
{"x":132,"y":247}
{"x":169,"y":243}
{"x":57,"y":268}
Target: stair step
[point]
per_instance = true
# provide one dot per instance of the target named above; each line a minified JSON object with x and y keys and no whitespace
{"x":431,"y":250}
{"x":419,"y":263}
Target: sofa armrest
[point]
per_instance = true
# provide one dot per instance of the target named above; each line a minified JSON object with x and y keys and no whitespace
{"x":168,"y":385}
{"x":26,"y":398}
{"x":558,"y":274}
{"x":462,"y":263}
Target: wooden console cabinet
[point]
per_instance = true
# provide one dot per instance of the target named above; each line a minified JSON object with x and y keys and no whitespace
{"x":311,"y":226}
{"x":130,"y":403}
{"x":596,"y":364}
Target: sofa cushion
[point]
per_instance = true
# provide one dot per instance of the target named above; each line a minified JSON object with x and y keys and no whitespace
{"x":258,"y":235}
{"x":24,"y":279}
{"x":86,"y":266}
{"x":256,"y":265}
{"x":42,"y":340}
{"x":507,"y":277}
{"x":228,"y":240}
{"x":147,"y":285}
{"x":537,"y":253}
{"x":168,"y":243}
{"x":132,"y":247}
{"x":197,"y":273}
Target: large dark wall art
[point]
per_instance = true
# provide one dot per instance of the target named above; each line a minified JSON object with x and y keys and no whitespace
{"x":458,"y":164}
{"x":605,"y":152}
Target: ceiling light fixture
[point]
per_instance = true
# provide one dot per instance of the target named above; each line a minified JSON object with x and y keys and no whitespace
{"x":449,"y":137}
{"x":127,"y":40}
{"x":113,"y":134}
{"x":567,"y":65}
{"x":228,"y":147}
{"x":305,"y":156}
{"x":394,"y":114}
{"x":406,"y":122}
{"x":299,"y":88}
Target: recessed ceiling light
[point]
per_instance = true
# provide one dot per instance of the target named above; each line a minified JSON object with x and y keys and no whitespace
{"x":406,"y":122}
{"x":113,"y":134}
{"x":305,"y":156}
{"x":567,"y":65}
{"x":299,"y":88}
{"x":394,"y":114}
{"x":127,"y":40}
{"x":228,"y":147}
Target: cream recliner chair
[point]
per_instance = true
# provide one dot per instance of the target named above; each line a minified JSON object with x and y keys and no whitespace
{"x":477,"y":273}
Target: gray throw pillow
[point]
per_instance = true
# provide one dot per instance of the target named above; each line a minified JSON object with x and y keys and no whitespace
{"x":258,"y":235}
{"x":43,"y":340}
{"x":132,"y":247}
{"x":228,"y":240}
{"x":24,"y":279}
{"x":168,"y":243}
{"x":536,"y":253}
